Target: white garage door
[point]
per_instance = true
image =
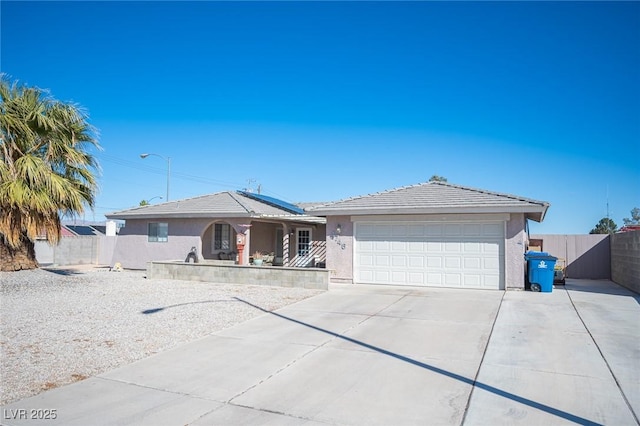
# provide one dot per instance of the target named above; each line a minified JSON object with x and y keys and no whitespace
{"x":468,"y":255}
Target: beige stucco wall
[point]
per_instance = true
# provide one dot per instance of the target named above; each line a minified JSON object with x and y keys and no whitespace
{"x":340,"y":246}
{"x":134,"y":251}
{"x":340,"y":249}
{"x":514,"y":247}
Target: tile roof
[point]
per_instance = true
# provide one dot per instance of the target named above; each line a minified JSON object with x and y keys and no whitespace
{"x":431,"y":198}
{"x":222,"y":204}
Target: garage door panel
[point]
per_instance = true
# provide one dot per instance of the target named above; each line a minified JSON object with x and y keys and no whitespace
{"x":472,"y":247}
{"x":416,"y":262}
{"x":472,"y":229}
{"x":453,"y":230}
{"x":434,"y":279}
{"x":399,"y":261}
{"x":430,"y":254}
{"x":416,"y":230}
{"x":416,"y":278}
{"x":399,"y":246}
{"x":472,"y":263}
{"x":490,"y":263}
{"x":366,"y":276}
{"x":365,"y":230}
{"x":434,"y":262}
{"x":453,"y":280}
{"x":365,"y":245}
{"x":381,"y":245}
{"x":453,"y":262}
{"x":399,"y":231}
{"x":382,"y":260}
{"x":398,"y":277}
{"x":416,"y":246}
{"x":382,"y":276}
{"x":434,"y":247}
{"x":472,"y":280}
{"x":434,"y":230}
{"x":382,"y":231}
{"x":365,"y":260}
{"x":491,"y":248}
{"x":453,"y":247}
{"x":493,"y":230}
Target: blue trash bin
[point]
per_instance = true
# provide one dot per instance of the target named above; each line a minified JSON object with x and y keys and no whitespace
{"x":540,"y":267}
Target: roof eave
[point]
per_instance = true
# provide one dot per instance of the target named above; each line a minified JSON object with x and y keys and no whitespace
{"x":166,"y":216}
{"x":186,"y":215}
{"x":534,"y":211}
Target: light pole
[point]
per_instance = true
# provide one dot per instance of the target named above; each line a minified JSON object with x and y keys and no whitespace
{"x":145,"y":155}
{"x":153,"y":198}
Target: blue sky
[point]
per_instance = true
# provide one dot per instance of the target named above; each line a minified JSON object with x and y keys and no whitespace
{"x":318,"y":101}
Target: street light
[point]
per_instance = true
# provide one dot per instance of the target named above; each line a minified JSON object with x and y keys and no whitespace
{"x":145,"y":155}
{"x":153,"y":198}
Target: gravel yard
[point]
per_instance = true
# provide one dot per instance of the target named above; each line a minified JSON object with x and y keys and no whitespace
{"x":58,"y":326}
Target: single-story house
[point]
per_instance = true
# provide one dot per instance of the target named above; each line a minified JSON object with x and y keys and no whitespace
{"x":211,"y":223}
{"x":431,"y":234}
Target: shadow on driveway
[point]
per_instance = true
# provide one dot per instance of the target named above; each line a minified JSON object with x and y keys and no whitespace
{"x":156,"y":310}
{"x":554,"y":411}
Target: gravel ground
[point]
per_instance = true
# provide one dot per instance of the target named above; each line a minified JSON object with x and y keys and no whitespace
{"x":59,"y":326}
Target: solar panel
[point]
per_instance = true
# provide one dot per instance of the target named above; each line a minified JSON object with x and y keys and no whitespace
{"x":291,"y":208}
{"x":81,"y":229}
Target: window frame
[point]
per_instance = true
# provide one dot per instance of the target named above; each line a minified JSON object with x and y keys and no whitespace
{"x":306,"y":251}
{"x":157,"y":236}
{"x":221,"y":240}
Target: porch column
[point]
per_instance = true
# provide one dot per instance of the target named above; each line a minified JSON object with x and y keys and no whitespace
{"x":285,"y":247}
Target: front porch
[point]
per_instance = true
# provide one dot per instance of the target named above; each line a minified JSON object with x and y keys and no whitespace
{"x":283,"y":242}
{"x":225,"y":272}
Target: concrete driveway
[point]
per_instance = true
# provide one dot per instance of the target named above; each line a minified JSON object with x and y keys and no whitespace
{"x":368,"y":355}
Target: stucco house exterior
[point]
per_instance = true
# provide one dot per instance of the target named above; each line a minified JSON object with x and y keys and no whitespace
{"x":430,"y":234}
{"x":211,"y":223}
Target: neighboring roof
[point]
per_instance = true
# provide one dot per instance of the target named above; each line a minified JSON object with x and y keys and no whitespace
{"x":100,"y":228}
{"x":226,"y":204}
{"x":432,"y":198}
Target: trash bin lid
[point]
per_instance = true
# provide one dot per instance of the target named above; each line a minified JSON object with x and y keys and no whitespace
{"x":543,"y":255}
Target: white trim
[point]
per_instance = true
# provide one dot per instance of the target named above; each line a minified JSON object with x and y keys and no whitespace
{"x":298,"y":230}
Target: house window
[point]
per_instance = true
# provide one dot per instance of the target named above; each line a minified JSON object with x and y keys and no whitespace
{"x":158,"y":232}
{"x":221,"y":236}
{"x":304,"y":241}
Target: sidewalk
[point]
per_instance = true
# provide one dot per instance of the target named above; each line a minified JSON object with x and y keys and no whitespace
{"x":384,"y":355}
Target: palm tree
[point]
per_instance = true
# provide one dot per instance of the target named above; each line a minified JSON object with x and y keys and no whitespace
{"x":46,"y":169}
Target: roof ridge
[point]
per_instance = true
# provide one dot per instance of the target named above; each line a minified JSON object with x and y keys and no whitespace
{"x":233,"y":196}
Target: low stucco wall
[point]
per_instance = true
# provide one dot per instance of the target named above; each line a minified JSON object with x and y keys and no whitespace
{"x":275,"y":276}
{"x":93,"y":250}
{"x":625,"y":259}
